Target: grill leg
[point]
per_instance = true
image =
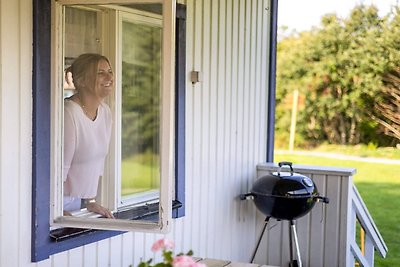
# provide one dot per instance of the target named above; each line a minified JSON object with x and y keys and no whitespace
{"x":291,"y":245}
{"x":260,"y":238}
{"x":293,"y":235}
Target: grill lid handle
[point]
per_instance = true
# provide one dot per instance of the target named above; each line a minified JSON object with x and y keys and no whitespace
{"x":283,"y":163}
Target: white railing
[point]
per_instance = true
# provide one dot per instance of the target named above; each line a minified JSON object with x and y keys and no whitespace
{"x":327,"y":234}
{"x":371,"y":238}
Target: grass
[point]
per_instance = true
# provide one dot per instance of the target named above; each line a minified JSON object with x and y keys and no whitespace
{"x":379,"y":186}
{"x":138,"y":176}
{"x":362,"y":150}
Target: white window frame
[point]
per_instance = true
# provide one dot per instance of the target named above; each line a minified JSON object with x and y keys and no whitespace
{"x":167,"y":126}
{"x":153,"y":195}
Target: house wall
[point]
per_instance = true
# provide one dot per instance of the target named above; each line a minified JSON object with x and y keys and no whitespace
{"x":15,"y":131}
{"x":225,"y":137}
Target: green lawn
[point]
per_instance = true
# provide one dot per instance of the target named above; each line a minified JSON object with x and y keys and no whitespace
{"x":379,"y":186}
{"x":138,"y":177}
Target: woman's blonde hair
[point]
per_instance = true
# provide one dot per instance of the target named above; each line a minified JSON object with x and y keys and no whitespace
{"x":84,"y":69}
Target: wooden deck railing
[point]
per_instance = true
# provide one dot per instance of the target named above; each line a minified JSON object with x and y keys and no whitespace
{"x":327,"y":234}
{"x":371,"y":241}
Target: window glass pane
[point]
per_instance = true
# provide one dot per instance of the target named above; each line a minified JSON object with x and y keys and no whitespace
{"x":141,"y":72}
{"x":81,"y":32}
{"x":82,"y":35}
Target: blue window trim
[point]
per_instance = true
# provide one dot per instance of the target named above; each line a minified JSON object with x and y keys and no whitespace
{"x":272,"y":81}
{"x":42,"y":245}
{"x":180,"y":83}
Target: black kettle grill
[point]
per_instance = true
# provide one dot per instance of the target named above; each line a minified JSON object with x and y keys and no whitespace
{"x":284,"y":196}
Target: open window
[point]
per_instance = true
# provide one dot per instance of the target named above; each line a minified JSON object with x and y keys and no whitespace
{"x":139,"y":168}
{"x":108,"y":28}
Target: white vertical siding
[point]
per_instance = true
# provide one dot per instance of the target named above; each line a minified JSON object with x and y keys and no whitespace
{"x":225,"y":138}
{"x":221,"y":111}
{"x":15,"y":131}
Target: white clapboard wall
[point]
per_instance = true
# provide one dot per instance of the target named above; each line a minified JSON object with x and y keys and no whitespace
{"x":225,"y":137}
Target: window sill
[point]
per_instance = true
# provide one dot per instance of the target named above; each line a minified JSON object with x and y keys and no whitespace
{"x":147,"y":212}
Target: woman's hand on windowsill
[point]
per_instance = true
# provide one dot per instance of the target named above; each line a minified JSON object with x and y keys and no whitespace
{"x":96,"y":208}
{"x":67,"y":213}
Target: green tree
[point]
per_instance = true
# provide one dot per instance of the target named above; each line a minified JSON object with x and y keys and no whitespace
{"x":141,"y":89}
{"x":386,"y":111}
{"x":338,"y":68}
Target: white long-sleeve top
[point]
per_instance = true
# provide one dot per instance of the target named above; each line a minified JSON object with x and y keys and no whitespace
{"x":86,"y":145}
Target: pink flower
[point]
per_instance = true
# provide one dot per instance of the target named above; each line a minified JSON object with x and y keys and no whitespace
{"x":183,"y":261}
{"x":186,"y":261}
{"x":162,"y":244}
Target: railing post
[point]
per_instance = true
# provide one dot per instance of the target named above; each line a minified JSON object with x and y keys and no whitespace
{"x":351,"y":233}
{"x":369,"y":250}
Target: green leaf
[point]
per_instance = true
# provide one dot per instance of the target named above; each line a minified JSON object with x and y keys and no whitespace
{"x":190,"y":253}
{"x":144,"y":264}
{"x":168,"y":256}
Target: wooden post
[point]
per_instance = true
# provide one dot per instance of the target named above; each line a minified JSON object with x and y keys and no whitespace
{"x":293,"y":119}
{"x":362,"y":240}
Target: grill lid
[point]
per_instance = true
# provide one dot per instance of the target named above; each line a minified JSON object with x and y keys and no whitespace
{"x":284,"y":184}
{"x":284,"y":195}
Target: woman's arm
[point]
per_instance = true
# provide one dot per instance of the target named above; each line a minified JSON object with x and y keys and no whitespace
{"x":69,"y":141}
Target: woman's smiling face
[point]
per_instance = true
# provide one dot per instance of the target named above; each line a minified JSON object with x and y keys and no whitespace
{"x":104,"y":79}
